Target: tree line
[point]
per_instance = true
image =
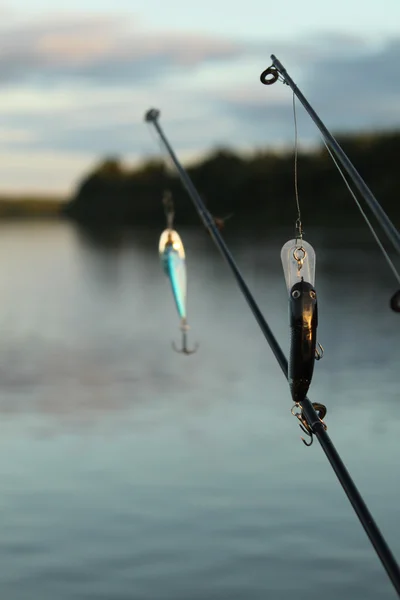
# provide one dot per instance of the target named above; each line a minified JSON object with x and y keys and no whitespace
{"x":258,"y":188}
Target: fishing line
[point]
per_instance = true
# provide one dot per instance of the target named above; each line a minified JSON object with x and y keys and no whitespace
{"x":168,"y":164}
{"x":299,"y":227}
{"x":268,"y":77}
{"x":368,"y":222}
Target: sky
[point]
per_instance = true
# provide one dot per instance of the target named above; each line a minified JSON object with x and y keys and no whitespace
{"x":76,"y":82}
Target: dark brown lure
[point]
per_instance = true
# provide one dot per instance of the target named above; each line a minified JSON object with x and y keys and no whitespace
{"x":303,"y":315}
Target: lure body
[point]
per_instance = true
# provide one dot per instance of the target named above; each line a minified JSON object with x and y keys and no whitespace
{"x":298,"y":261}
{"x":172,"y":256}
{"x":303,"y":315}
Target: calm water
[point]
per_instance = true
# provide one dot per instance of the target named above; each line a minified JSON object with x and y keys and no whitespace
{"x":131,"y":472}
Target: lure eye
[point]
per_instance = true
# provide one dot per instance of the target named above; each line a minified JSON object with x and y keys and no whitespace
{"x":312,"y":294}
{"x":295,"y":294}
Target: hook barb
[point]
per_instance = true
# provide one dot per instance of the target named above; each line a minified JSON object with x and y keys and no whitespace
{"x":310,"y":435}
{"x":319,"y":352}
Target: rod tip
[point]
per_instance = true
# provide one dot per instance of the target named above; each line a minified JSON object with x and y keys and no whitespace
{"x":152,"y":115}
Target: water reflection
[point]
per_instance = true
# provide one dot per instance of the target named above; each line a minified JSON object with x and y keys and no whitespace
{"x":101,"y":238}
{"x":129,"y":471}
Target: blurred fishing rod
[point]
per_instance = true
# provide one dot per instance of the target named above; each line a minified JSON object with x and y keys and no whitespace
{"x":311,"y":414}
{"x":278,"y":72}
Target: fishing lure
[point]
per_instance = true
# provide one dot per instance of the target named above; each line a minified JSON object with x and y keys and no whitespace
{"x":298,"y":261}
{"x":172,"y":255}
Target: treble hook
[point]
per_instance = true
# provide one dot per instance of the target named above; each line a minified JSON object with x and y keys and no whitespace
{"x":321,"y":411}
{"x":184,"y":349}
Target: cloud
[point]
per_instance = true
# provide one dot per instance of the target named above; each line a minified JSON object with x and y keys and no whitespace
{"x":103,"y":120}
{"x":365,"y":83}
{"x":350,"y":92}
{"x":15,"y":136}
{"x":101,"y":49}
{"x":76,"y":88}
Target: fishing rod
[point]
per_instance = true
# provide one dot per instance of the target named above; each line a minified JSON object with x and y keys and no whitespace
{"x":273,"y":74}
{"x":311,"y":414}
{"x":152,"y":117}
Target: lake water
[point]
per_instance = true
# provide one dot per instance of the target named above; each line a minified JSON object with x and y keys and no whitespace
{"x":129,"y":471}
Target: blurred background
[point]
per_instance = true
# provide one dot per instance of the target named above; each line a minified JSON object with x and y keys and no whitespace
{"x":129,"y":471}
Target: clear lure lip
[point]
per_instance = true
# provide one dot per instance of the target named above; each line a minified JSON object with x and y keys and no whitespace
{"x":176,"y":242}
{"x":298,"y":262}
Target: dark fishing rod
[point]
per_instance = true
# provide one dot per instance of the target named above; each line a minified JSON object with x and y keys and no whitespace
{"x":270,"y":76}
{"x":311,"y":414}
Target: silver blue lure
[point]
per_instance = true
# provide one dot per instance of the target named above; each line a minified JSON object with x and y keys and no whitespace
{"x":172,"y":255}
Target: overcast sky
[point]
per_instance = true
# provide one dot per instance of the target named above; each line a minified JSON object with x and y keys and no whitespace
{"x":75,"y":84}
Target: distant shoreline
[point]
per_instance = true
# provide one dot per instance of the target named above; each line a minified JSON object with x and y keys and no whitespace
{"x":31,"y":206}
{"x":256,"y":191}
